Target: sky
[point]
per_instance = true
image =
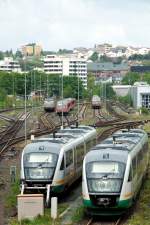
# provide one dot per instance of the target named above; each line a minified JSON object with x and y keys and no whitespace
{"x":68,"y":24}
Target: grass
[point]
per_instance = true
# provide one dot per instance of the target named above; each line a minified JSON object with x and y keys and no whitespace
{"x":147,"y":127}
{"x":142,"y":213}
{"x":41,"y":220}
{"x":78,"y":215}
{"x":11,"y":199}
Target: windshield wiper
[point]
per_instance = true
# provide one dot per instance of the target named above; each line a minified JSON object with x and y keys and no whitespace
{"x":108,"y":173}
{"x":42,"y":163}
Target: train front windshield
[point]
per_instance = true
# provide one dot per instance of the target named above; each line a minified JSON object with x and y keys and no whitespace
{"x":39,"y":166}
{"x":105,"y":177}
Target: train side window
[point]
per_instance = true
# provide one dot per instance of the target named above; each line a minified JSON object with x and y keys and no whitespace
{"x":130,"y":175}
{"x":69,"y":157}
{"x":62,"y":164}
{"x":79,"y":155}
{"x":134,"y":166}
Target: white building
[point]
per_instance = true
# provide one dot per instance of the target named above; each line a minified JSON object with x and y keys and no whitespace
{"x":67,"y":66}
{"x":140,"y":94}
{"x":121,"y":90}
{"x":9,"y":65}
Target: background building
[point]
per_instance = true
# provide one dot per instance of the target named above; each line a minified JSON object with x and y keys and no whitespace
{"x":31,"y":50}
{"x":107,"y":70}
{"x":140,"y":69}
{"x":9,"y":65}
{"x":140,"y":94}
{"x":121,"y":90}
{"x":67,"y":66}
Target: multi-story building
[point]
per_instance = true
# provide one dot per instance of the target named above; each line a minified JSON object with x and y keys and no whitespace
{"x":9,"y":65}
{"x":107,"y":70}
{"x":31,"y":50}
{"x":67,"y":66}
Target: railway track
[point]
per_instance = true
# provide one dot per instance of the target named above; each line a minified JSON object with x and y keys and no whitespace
{"x":14,"y":128}
{"x":92,"y":221}
{"x":9,"y":135}
{"x":105,"y":121}
{"x":131,"y":124}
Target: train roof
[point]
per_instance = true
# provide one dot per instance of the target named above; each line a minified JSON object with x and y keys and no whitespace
{"x":42,"y":147}
{"x":59,"y":139}
{"x":80,"y":130}
{"x":118,"y":145}
{"x":104,"y":154}
{"x":49,"y":99}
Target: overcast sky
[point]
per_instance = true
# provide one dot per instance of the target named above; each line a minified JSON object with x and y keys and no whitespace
{"x":71,"y":23}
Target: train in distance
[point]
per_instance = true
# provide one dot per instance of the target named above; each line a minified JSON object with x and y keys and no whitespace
{"x":50,"y":104}
{"x":65,"y":106}
{"x":50,"y":164}
{"x":113,"y":172}
{"x":96,"y":102}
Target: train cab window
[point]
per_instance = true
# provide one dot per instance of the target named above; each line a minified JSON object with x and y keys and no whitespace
{"x":130,"y":175}
{"x":62,"y":164}
{"x":69,"y":157}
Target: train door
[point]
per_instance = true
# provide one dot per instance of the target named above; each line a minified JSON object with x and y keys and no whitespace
{"x":69,"y":166}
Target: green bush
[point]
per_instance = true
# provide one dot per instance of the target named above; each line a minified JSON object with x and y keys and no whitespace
{"x":144,"y":111}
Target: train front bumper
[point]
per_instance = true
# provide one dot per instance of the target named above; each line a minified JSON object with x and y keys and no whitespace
{"x":119,"y":209}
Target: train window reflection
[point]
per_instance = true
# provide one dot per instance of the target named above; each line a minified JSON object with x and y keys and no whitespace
{"x":40,"y":157}
{"x":99,"y":169}
{"x":110,"y":167}
{"x":44,"y":158}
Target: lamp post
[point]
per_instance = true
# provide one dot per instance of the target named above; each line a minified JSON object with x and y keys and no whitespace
{"x":78,"y":89}
{"x":47,"y":86}
{"x":62,"y":96}
{"x":25,"y":93}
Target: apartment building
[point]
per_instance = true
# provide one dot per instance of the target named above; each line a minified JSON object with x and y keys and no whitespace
{"x":9,"y":65}
{"x":107,"y":70}
{"x":67,"y":66}
{"x":31,"y":50}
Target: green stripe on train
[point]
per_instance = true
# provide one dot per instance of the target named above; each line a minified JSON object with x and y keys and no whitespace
{"x":58,"y":189}
{"x":121,"y":204}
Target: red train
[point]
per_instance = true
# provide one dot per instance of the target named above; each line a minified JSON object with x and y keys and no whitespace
{"x":65,"y":105}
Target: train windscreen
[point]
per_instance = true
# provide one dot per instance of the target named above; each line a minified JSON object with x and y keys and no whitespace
{"x":105,"y":176}
{"x":39,"y":166}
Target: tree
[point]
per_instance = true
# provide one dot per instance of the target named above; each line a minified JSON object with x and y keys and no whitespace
{"x":126,"y":100}
{"x":64,"y":51}
{"x":130,"y":78}
{"x":105,"y":58}
{"x":110,"y":94}
{"x":1,"y":55}
{"x":94,"y":57}
{"x":18,"y":54}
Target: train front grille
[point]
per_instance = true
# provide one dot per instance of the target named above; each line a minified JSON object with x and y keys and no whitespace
{"x":104,"y":200}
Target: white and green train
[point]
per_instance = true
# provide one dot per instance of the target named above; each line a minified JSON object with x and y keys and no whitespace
{"x":52,"y":163}
{"x":113,"y":172}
